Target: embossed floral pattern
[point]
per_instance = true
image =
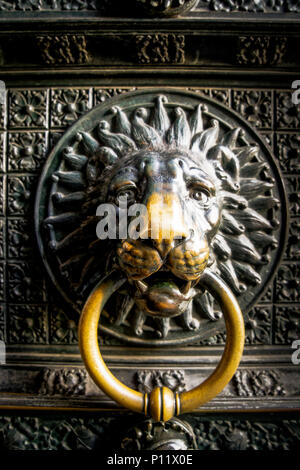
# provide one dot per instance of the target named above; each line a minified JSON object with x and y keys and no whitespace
{"x":292,"y":251}
{"x":74,"y":433}
{"x":29,"y":4}
{"x":27,"y":108}
{"x":219,"y":338}
{"x":63,"y":330}
{"x":68,"y":105}
{"x":31,"y":433}
{"x":26,"y":151}
{"x":258,"y":326}
{"x":288,"y":283}
{"x":20,"y":238}
{"x":293,"y":189}
{"x":255,"y":107}
{"x":232,"y":5}
{"x":288,"y":113}
{"x":251,"y":6}
{"x":287,"y":324}
{"x":104,"y":94}
{"x":147,"y":380}
{"x":258,"y":383}
{"x":247,"y":435}
{"x":288,"y":151}
{"x":27,"y":324}
{"x":32,"y":5}
{"x":25,"y":283}
{"x":21,"y":191}
{"x":14,"y":436}
{"x":67,"y":382}
{"x":220,"y":95}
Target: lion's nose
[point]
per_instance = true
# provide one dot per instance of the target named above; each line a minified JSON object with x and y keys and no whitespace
{"x":166,"y":245}
{"x":166,"y":224}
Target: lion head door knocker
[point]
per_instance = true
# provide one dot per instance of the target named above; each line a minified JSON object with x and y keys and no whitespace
{"x":213,"y":197}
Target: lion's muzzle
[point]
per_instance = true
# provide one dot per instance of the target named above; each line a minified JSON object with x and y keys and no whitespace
{"x":172,"y":251}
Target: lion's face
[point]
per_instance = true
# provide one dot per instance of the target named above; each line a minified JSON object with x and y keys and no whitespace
{"x":183,"y":210}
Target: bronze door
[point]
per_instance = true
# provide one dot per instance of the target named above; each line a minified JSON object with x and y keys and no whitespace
{"x":233,"y":67}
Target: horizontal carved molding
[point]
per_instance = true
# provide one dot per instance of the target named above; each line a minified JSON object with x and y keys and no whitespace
{"x":233,"y":49}
{"x":70,"y":387}
{"x":220,"y":405}
{"x":202,"y":356}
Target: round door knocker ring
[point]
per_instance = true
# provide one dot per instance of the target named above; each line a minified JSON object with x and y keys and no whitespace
{"x":162,"y":403}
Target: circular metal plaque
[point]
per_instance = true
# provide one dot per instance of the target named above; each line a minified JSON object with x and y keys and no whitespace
{"x":247,"y":246}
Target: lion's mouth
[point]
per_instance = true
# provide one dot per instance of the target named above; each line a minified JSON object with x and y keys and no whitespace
{"x":164,"y":286}
{"x":163,"y":294}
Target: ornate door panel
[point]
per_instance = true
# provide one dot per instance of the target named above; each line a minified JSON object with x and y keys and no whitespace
{"x":58,"y":62}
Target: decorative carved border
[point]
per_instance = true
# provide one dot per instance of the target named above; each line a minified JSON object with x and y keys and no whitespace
{"x":158,"y":9}
{"x":93,"y":433}
{"x":94,"y":50}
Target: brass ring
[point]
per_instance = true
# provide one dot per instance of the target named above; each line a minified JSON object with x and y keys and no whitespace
{"x":162,"y":403}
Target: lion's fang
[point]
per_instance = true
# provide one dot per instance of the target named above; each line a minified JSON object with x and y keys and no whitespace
{"x":141,"y":286}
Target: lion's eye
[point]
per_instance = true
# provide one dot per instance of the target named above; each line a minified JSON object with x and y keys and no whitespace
{"x":126,"y":195}
{"x":199,"y":195}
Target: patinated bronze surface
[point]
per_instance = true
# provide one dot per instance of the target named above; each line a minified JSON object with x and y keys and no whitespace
{"x":61,"y":58}
{"x":195,"y":166}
